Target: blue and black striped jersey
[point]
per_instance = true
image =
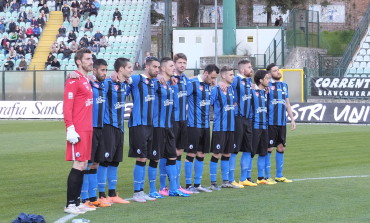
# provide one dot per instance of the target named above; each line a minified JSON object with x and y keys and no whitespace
{"x":163,"y":105}
{"x":259,"y":109}
{"x":98,"y":103}
{"x":278,"y":93}
{"x":242,"y":97}
{"x":115,"y":103}
{"x":223,"y":107}
{"x":180,"y":101}
{"x":143,"y":96}
{"x":199,"y":98}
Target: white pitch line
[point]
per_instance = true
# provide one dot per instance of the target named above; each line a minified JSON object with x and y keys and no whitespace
{"x":66,"y":218}
{"x":328,"y":178}
{"x":70,"y":216}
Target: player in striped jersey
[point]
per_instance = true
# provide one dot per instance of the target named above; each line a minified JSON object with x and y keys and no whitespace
{"x":199,"y":96}
{"x":223,"y":128}
{"x":141,"y":124}
{"x":163,"y":135}
{"x":260,"y":122}
{"x":117,"y":89}
{"x":90,"y":182}
{"x":279,"y":105}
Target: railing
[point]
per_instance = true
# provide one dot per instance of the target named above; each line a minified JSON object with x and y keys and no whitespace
{"x":355,"y":43}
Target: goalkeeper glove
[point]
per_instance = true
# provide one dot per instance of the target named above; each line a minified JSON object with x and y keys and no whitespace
{"x":72,"y":135}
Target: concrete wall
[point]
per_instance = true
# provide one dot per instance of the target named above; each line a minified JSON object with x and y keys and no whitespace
{"x":200,"y":42}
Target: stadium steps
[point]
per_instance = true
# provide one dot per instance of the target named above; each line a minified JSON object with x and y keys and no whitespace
{"x":48,"y":36}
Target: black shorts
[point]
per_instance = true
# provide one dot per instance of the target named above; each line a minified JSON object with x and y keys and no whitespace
{"x":180,"y":130}
{"x":277,"y":135}
{"x":141,"y":141}
{"x":243,"y":134}
{"x":113,"y":145}
{"x":97,"y":145}
{"x":163,"y":144}
{"x":222,"y":142}
{"x":260,"y":142}
{"x":199,"y":140}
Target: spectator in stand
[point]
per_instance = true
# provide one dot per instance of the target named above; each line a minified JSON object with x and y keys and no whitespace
{"x":66,"y":12}
{"x":276,"y":22}
{"x":16,"y":46}
{"x":54,"y":47}
{"x":33,"y":21}
{"x":187,"y":22}
{"x":13,"y":37}
{"x":46,"y":10}
{"x":30,"y":15}
{"x":21,"y":37}
{"x":82,"y":44}
{"x":23,"y":2}
{"x":22,"y":29}
{"x":94,"y":45}
{"x":4,"y":41}
{"x":3,"y":20}
{"x":61,"y":31}
{"x":58,"y":4}
{"x":17,"y":29}
{"x":61,"y":47}
{"x":67,"y":52}
{"x":71,"y":36}
{"x":12,"y":26}
{"x":75,"y":22}
{"x":14,"y":7}
{"x":74,"y":46}
{"x":22,"y":14}
{"x":55,"y":65}
{"x":9,"y":65}
{"x":2,"y":5}
{"x":281,"y":20}
{"x":117,"y":15}
{"x":12,"y":54}
{"x":50,"y":59}
{"x":21,"y":52}
{"x":112,"y":31}
{"x":76,"y":12}
{"x":87,"y":9}
{"x":137,"y":66}
{"x":85,"y":40}
{"x":22,"y":65}
{"x":30,"y":48}
{"x":93,"y":10}
{"x":103,"y":42}
{"x":75,"y":4}
{"x":29,"y":31}
{"x":2,"y":27}
{"x":41,"y":3}
{"x":33,"y":40}
{"x":98,"y":35}
{"x":40,"y":21}
{"x":89,"y":26}
{"x":81,"y":10}
{"x":7,"y":48}
{"x":36,"y":31}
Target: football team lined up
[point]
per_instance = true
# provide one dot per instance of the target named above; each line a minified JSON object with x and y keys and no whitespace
{"x":170,"y":115}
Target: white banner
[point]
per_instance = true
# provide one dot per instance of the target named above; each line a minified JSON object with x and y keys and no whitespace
{"x":38,"y":109}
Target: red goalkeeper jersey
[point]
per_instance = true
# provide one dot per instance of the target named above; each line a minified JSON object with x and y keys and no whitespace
{"x":77,"y":103}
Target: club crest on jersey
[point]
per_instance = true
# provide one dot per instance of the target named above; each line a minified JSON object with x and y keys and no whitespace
{"x":271,"y":142}
{"x":284,"y":88}
{"x":116,"y":87}
{"x":218,"y":146}
{"x":106,"y":155}
{"x":96,"y":85}
{"x":258,"y":94}
{"x":78,"y":154}
{"x":191,"y":146}
{"x":272,"y":88}
{"x":138,"y":151}
{"x":154,"y":152}
{"x":201,"y":87}
{"x":243,"y":83}
{"x":165,"y":86}
{"x":234,"y":145}
{"x":70,"y":95}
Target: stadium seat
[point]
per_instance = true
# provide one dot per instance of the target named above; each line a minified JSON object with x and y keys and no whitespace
{"x":360,"y":70}
{"x":359,"y":58}
{"x":367,"y":70}
{"x":362,"y":52}
{"x":367,"y":39}
{"x":367,"y":58}
{"x":363,"y":75}
{"x":352,"y":70}
{"x":363,"y":64}
{"x":356,"y":64}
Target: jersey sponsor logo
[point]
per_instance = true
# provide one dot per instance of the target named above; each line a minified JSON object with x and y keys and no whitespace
{"x":71,"y":82}
{"x":88,"y":102}
{"x":70,"y":95}
{"x":167,"y":102}
{"x":78,"y":154}
{"x":246,"y":97}
{"x":181,"y":94}
{"x":119,"y":105}
{"x":100,"y":100}
{"x":218,"y":146}
{"x":138,"y":151}
{"x":260,"y":109}
{"x":229,"y":107}
{"x":278,"y":101}
{"x":87,"y":86}
{"x":106,"y":155}
{"x":204,"y":103}
{"x":149,"y":98}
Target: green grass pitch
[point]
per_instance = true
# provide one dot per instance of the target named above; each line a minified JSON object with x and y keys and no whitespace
{"x":33,"y":177}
